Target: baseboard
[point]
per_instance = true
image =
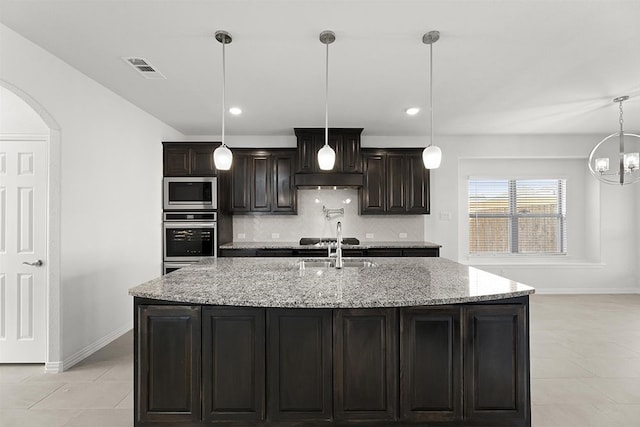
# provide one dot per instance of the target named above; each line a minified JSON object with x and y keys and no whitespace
{"x":87,"y":351}
{"x":583,"y":291}
{"x":52,"y":367}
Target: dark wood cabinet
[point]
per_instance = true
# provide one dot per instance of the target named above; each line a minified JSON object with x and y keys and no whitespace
{"x":240,"y":183}
{"x":322,"y":252}
{"x":300,"y":365}
{"x":233,"y":364}
{"x":167,"y":363}
{"x":373,"y":192}
{"x":260,"y":176}
{"x":431,"y":364}
{"x":456,"y":365}
{"x":262,"y":182}
{"x":189,"y":158}
{"x":345,"y":142}
{"x":284,"y":193}
{"x":496,"y":371}
{"x":365,"y":357}
{"x":395,"y":182}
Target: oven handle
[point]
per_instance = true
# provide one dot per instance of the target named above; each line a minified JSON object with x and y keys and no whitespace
{"x":189,"y":224}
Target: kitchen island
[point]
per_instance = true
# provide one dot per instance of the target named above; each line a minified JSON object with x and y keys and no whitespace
{"x":271,"y":342}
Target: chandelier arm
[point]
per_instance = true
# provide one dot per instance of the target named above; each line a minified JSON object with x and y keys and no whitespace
{"x":621,"y":159}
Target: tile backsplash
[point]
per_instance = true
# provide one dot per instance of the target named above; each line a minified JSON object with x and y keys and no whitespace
{"x":312,"y":222}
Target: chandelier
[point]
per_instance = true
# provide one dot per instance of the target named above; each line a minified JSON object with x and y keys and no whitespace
{"x":617,"y":163}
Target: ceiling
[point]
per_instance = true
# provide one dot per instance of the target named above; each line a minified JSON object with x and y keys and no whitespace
{"x":500,"y":67}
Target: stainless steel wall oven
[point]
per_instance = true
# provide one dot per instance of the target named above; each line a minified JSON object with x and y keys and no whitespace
{"x":189,"y":236}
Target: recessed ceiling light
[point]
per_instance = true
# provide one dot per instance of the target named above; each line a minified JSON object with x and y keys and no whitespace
{"x":235,"y":111}
{"x":412,"y":111}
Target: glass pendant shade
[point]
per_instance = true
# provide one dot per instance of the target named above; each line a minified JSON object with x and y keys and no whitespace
{"x":326,"y":158}
{"x":222,"y":157}
{"x":431,"y":157}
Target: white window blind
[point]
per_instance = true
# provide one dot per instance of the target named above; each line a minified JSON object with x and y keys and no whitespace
{"x":517,"y":216}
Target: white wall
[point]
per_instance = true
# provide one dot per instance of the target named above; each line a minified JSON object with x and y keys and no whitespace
{"x":110,"y":166}
{"x":611,"y":269}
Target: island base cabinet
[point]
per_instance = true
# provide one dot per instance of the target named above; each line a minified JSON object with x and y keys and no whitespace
{"x":365,"y":364}
{"x":431,"y":364}
{"x":300,"y":365}
{"x":167,"y":364}
{"x":464,"y":365}
{"x":233,"y":364}
{"x":496,"y":377}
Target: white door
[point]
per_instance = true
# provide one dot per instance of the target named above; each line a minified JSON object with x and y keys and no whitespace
{"x":23,"y":213}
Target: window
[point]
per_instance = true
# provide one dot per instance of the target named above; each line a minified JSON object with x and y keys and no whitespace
{"x":517,"y":216}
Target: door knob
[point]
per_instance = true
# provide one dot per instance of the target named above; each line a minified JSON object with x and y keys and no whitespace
{"x":37,"y":263}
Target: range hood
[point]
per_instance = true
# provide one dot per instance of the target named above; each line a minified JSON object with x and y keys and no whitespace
{"x":347,"y":171}
{"x":337,"y":179}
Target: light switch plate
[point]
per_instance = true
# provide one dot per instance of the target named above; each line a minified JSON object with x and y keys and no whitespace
{"x":242,"y":236}
{"x":403,"y":235}
{"x":368,"y":236}
{"x":275,"y":235}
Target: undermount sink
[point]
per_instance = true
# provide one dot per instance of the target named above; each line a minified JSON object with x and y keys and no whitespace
{"x":331,"y":263}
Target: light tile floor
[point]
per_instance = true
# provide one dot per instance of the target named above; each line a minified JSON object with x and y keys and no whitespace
{"x":585,"y":372}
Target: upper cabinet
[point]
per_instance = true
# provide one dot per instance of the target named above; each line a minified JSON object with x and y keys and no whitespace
{"x":189,"y":159}
{"x":395,"y":182}
{"x":345,"y":142}
{"x":262,"y":182}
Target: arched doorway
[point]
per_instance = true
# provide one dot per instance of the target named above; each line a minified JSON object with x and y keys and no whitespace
{"x":29,"y":205}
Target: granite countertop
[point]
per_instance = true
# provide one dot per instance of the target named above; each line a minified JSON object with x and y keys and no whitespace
{"x":297,"y":245}
{"x":279,"y":282}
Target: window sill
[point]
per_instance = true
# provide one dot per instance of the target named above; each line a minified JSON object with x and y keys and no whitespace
{"x":535,"y":262}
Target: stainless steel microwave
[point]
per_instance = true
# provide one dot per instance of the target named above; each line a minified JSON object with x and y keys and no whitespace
{"x":190,"y":193}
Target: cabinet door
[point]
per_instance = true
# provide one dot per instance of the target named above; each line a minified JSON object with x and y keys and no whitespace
{"x":396,"y":187}
{"x":348,"y":151}
{"x":299,"y":370}
{"x":308,"y":145}
{"x":430,"y":364}
{"x":284,"y":190}
{"x":365,"y":357}
{"x":372,"y":194}
{"x":233,"y":370}
{"x":202,"y":160}
{"x":168,"y":364}
{"x":240,"y":179}
{"x":260,"y":173}
{"x":416,"y":185}
{"x":496,"y":371}
{"x":177,"y":160}
{"x":421,"y":252}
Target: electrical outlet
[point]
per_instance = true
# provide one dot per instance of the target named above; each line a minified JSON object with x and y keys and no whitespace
{"x":445,"y":216}
{"x":242,"y":236}
{"x":403,"y":235}
{"x":368,"y":236}
{"x":275,"y":235}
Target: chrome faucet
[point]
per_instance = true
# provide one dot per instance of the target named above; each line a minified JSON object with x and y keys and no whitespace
{"x":338,"y":253}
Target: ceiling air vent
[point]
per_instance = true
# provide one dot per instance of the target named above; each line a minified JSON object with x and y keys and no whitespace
{"x":143,"y":66}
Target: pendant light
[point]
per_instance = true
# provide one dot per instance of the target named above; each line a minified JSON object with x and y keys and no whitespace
{"x":627,"y":152}
{"x":326,"y":155}
{"x":222,"y":156}
{"x":432,"y":155}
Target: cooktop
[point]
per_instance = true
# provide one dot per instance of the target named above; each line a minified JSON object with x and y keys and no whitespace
{"x":319,"y":241}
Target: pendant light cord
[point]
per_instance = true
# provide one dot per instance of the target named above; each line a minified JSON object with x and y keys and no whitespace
{"x":431,"y":89}
{"x":224,"y":85}
{"x":326,"y":99}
